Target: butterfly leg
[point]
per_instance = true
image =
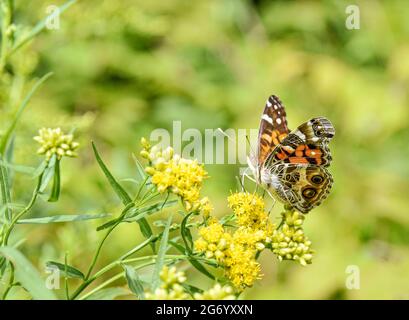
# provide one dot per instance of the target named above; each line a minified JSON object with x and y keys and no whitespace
{"x":245,"y":175}
{"x":272,"y":198}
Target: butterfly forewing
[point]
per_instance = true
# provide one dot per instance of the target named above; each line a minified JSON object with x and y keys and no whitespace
{"x":273,"y":128}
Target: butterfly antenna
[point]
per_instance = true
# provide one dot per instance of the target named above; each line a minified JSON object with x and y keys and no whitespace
{"x":249,"y":143}
{"x":241,"y":184}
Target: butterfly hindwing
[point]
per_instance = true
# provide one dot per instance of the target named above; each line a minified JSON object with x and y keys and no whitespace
{"x":303,"y":186}
{"x":273,"y":128}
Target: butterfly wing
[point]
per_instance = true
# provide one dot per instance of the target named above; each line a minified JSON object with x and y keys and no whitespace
{"x":302,"y":186}
{"x":308,"y":144}
{"x":273,"y":128}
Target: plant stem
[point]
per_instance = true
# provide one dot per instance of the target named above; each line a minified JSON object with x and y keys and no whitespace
{"x":7,"y":17}
{"x":24,"y":211}
{"x":10,"y":284}
{"x":122,"y":274}
{"x":88,"y":280}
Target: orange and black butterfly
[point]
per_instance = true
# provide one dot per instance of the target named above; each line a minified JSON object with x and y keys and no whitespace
{"x":293,"y":164}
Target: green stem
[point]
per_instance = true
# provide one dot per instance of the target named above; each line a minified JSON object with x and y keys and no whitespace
{"x":11,"y":282}
{"x":122,"y":274}
{"x":88,"y":279}
{"x":24,"y":211}
{"x":7,"y":17}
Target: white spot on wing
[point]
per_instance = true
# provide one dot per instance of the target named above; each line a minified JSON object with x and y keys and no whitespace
{"x":269,"y":104}
{"x":278,"y":120}
{"x":275,"y":107}
{"x":267,"y":118}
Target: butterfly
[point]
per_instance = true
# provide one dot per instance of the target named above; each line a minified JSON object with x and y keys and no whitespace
{"x":293,"y":164}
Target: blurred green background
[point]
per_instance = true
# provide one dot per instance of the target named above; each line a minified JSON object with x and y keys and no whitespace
{"x":125,"y":67}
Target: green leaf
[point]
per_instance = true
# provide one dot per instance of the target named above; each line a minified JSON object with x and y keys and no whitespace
{"x":6,"y":138}
{"x":110,"y":223}
{"x":39,"y":27}
{"x":63,"y":218}
{"x":56,"y":188}
{"x":121,"y":193}
{"x":140,"y":168}
{"x":5,"y":192}
{"x":191,"y":289}
{"x":66,"y":270}
{"x":161,"y":256}
{"x":186,"y":234}
{"x":145,"y":227}
{"x":48,"y":173}
{"x":178,"y":247}
{"x":27,"y":275}
{"x":198,"y":266}
{"x":18,"y":168}
{"x":148,"y":210}
{"x":134,"y":283}
{"x":108,"y":294}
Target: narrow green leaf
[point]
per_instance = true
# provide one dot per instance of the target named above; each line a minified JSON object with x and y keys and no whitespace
{"x":198,"y":266}
{"x":134,"y":283}
{"x":18,"y":168}
{"x":145,"y":227}
{"x":27,"y":275}
{"x":178,"y":247}
{"x":161,"y":256}
{"x":108,"y":294}
{"x":145,"y":211}
{"x":121,"y":193}
{"x":48,"y":173}
{"x":4,"y":142}
{"x":139,"y":167}
{"x":66,"y":270}
{"x":124,"y":212}
{"x":186,"y":234}
{"x":191,"y":289}
{"x":56,"y":188}
{"x":39,"y":27}
{"x":63,"y":218}
{"x":5,"y":192}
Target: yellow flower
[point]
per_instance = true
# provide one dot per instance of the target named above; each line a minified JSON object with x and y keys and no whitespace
{"x":216,"y":293}
{"x":55,"y":142}
{"x":183,"y":177}
{"x":171,"y":287}
{"x":289,"y":242}
{"x":235,"y":252}
{"x":214,"y":241}
{"x":206,"y":207}
{"x":249,"y":210}
{"x":241,"y":266}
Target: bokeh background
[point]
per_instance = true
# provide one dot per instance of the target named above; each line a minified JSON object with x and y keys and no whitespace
{"x":123,"y":68}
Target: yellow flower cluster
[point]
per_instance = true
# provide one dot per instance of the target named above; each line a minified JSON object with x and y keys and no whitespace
{"x":251,"y":216}
{"x":214,"y":241}
{"x":216,"y":293}
{"x":55,"y":142}
{"x":289,"y":242}
{"x":237,"y":251}
{"x":171,"y":288}
{"x":183,"y":177}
